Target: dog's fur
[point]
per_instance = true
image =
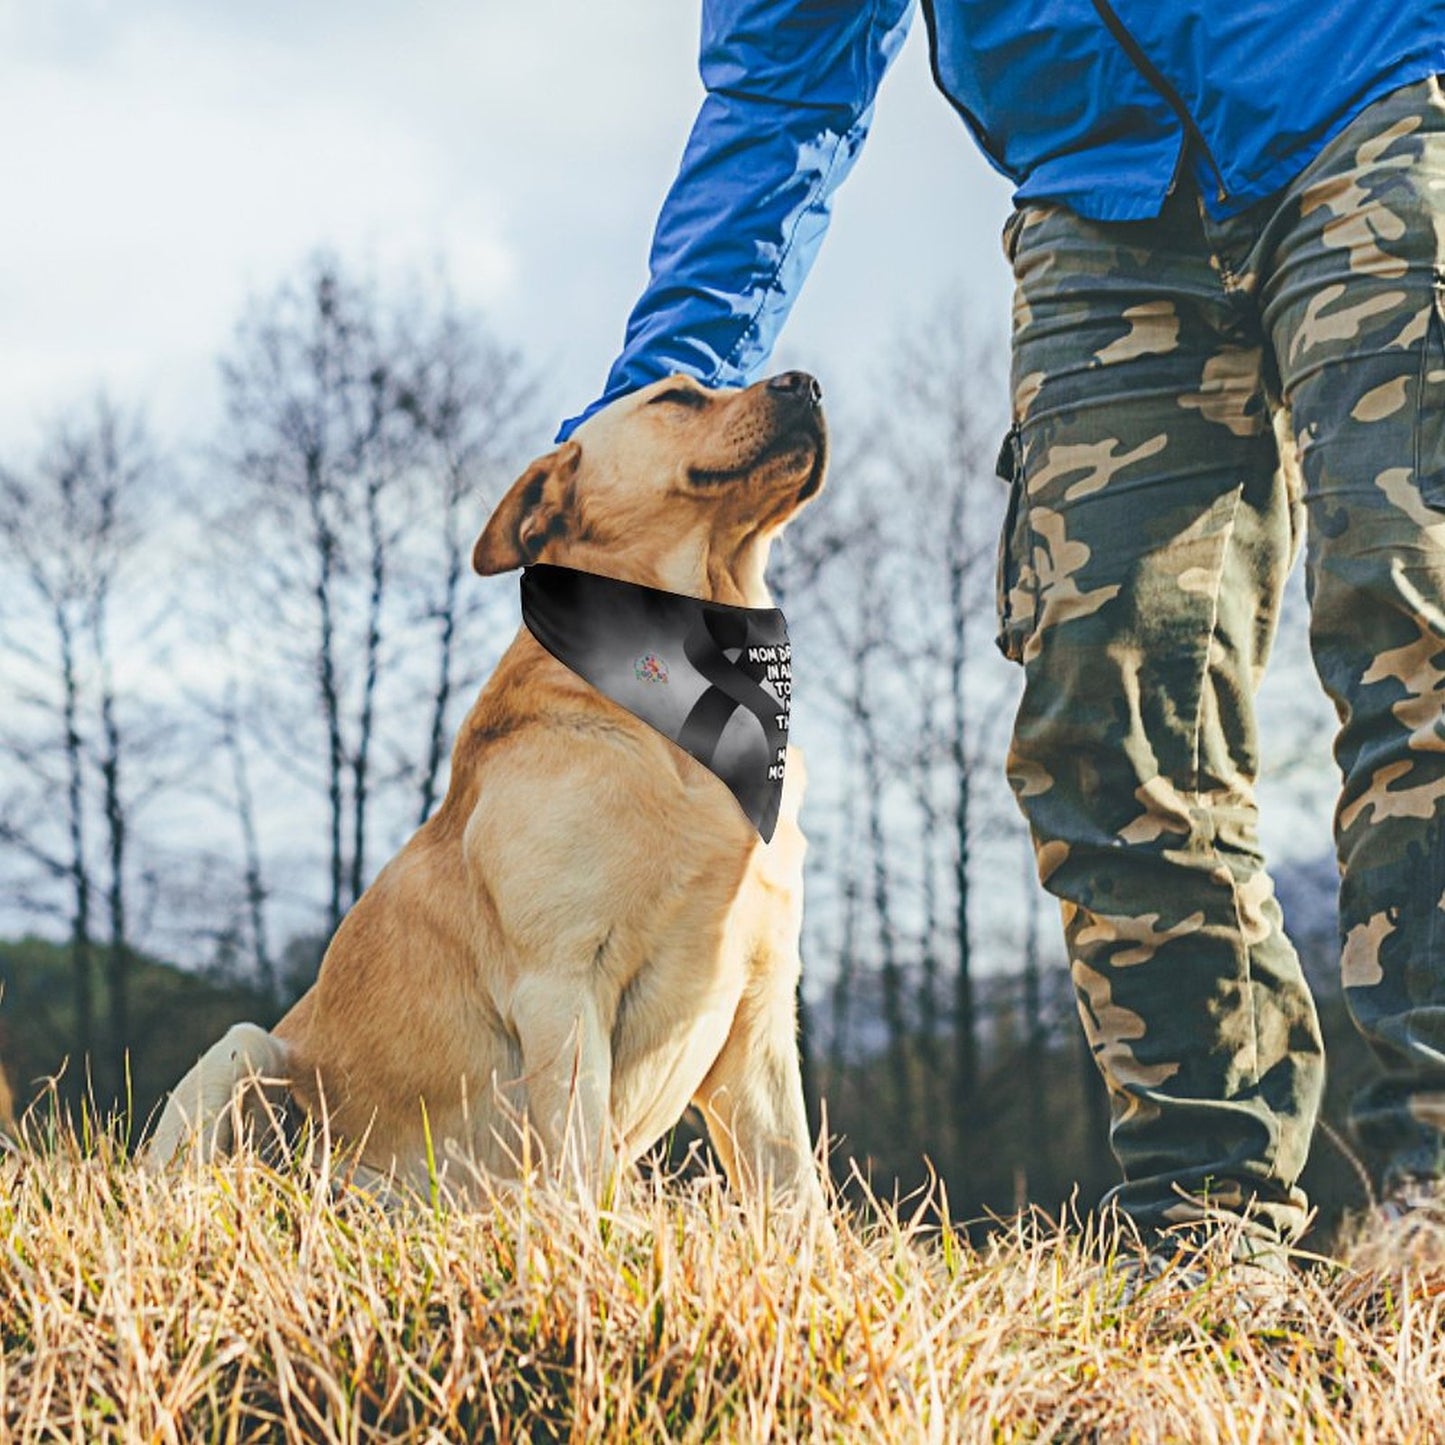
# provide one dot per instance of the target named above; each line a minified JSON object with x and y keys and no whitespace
{"x":589,"y":934}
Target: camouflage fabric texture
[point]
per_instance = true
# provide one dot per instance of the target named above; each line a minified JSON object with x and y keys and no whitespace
{"x":1150,"y":532}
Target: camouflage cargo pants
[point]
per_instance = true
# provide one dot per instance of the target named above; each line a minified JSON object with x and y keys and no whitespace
{"x":1151,"y":530}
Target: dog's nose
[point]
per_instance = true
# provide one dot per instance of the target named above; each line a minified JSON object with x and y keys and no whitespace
{"x":797,"y":384}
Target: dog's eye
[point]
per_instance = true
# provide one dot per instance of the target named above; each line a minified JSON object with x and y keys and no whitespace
{"x":681,"y":396}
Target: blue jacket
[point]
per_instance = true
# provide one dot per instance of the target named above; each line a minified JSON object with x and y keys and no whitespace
{"x":1097,"y":104}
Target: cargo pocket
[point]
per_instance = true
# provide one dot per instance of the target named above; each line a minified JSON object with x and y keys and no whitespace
{"x":1009,"y":237}
{"x":1015,"y":582}
{"x":1430,"y":409}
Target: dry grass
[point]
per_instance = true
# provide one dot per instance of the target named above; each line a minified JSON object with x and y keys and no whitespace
{"x":244,"y":1303}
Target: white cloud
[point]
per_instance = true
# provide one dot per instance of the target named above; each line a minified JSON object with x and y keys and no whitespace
{"x":177,"y":157}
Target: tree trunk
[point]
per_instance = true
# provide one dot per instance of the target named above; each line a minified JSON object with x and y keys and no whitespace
{"x":118,"y":955}
{"x":325,"y":543}
{"x":441,"y":699}
{"x":256,"y":894}
{"x":80,"y":946}
{"x":894,"y":1009}
{"x":928,"y":973}
{"x":842,"y":992}
{"x":965,"y":1039}
{"x":361,"y":761}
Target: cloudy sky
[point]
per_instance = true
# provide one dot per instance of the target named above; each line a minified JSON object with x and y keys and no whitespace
{"x":166,"y":158}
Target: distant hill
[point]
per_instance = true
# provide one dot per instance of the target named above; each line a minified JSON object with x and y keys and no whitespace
{"x":174,"y":1016}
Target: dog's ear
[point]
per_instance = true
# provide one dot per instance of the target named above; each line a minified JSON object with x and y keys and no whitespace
{"x":534,"y":512}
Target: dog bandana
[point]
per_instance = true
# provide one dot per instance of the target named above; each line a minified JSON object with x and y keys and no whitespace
{"x":716,"y":680}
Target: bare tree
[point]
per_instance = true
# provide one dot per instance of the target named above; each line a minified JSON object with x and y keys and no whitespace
{"x":900,"y":605}
{"x":846,"y":964}
{"x":70,"y":525}
{"x":308,"y":392}
{"x":366,"y":432}
{"x":940,"y":441}
{"x":472,"y":401}
{"x":855,"y":621}
{"x":256,"y":892}
{"x":930,"y":839}
{"x":118,"y":461}
{"x":874,"y":779}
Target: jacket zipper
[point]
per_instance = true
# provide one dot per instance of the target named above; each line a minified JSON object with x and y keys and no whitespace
{"x":1155,"y":77}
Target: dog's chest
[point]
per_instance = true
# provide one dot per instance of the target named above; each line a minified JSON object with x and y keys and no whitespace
{"x":674,"y":1013}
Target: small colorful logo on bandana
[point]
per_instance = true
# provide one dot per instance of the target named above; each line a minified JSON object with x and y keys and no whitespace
{"x":650,"y":668}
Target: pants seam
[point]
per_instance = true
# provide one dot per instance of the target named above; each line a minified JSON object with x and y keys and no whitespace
{"x":1271,"y":1154}
{"x":1197,"y":728}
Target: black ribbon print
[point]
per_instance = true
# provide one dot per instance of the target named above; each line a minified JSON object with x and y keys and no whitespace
{"x":706,"y":646}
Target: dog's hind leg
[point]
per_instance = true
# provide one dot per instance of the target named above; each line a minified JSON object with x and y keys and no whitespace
{"x":211,"y":1104}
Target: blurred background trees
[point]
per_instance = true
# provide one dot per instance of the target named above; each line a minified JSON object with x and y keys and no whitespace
{"x":231,"y":678}
{"x":81,"y":745}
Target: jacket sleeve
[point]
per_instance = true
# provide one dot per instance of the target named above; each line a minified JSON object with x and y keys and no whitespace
{"x":790,"y":88}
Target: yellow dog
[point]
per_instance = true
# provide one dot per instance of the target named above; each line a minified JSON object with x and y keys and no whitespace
{"x":589,"y":934}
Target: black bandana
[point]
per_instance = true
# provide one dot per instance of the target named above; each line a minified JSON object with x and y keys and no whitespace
{"x":715,"y":679}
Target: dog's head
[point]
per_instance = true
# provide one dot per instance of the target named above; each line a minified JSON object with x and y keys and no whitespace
{"x":675,"y":486}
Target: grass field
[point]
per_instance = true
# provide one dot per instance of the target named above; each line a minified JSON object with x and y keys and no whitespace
{"x":244,"y":1303}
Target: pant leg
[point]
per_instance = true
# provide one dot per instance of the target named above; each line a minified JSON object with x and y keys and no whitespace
{"x":1356,"y":312}
{"x":1149,"y":552}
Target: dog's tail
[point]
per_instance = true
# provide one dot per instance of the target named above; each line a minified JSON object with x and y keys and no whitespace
{"x":238,"y":1086}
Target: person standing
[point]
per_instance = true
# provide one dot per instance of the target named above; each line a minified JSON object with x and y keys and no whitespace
{"x":1225,"y":214}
